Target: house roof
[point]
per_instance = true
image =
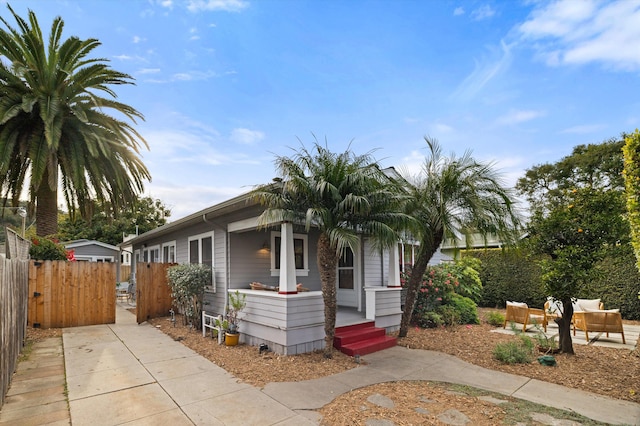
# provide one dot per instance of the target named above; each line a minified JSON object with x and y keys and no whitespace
{"x":84,"y":242}
{"x":228,"y":206}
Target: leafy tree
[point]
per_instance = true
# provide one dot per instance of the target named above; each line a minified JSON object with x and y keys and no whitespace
{"x":592,"y":166}
{"x":631,"y":175}
{"x":342,"y":195}
{"x":576,"y":236}
{"x":577,"y":216}
{"x":108,"y":225}
{"x":453,"y":197}
{"x":54,"y":126}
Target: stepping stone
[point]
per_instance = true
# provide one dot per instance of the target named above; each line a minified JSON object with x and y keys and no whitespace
{"x":381,"y":401}
{"x":454,"y":417}
{"x":427,"y":400}
{"x":421,"y":410}
{"x":379,"y":422}
{"x":546,"y":419}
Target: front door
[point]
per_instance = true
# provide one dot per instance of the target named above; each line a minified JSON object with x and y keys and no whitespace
{"x":348,"y":279}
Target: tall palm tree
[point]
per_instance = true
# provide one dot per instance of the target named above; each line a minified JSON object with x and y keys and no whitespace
{"x":343,"y":196}
{"x":54,"y":128}
{"x":453,"y":197}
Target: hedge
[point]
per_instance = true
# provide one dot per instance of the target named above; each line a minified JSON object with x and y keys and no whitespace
{"x":514,"y":275}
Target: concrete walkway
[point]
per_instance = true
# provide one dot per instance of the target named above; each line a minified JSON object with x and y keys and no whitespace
{"x":135,"y":374}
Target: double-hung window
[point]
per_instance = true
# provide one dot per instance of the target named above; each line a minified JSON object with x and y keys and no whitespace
{"x":169,"y":252}
{"x":300,"y":254}
{"x":201,"y":251}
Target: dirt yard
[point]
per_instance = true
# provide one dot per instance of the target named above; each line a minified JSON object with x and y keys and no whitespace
{"x":611,"y":372}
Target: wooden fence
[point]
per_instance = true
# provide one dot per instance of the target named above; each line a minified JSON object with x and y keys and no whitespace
{"x":153,"y":294}
{"x":125,"y":272}
{"x":70,"y":294}
{"x":14,"y":279}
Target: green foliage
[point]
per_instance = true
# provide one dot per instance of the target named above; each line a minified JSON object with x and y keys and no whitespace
{"x":46,"y":249}
{"x":428,"y":319}
{"x":495,"y":319}
{"x":514,"y":352}
{"x":465,"y":309}
{"x":467,"y":276}
{"x":56,"y":127}
{"x":453,"y":196}
{"x":575,"y":236}
{"x":631,"y":173}
{"x":237,"y":302}
{"x":616,"y":281}
{"x":187,"y":282}
{"x":107,"y":225}
{"x":509,"y":275}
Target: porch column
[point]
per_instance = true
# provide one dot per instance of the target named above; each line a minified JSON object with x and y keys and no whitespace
{"x":394,"y":268}
{"x":287,"y":260}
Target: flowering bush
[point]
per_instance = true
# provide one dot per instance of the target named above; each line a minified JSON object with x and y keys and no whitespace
{"x":187,"y":282}
{"x":46,"y":249}
{"x":438,"y":301}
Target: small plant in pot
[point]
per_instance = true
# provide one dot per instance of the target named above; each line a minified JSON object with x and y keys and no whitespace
{"x":237,"y":302}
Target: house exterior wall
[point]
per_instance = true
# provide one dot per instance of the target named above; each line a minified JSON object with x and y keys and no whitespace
{"x":91,"y":251}
{"x":288,"y":324}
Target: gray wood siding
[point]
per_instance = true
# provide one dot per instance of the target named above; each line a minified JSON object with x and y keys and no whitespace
{"x":371,"y":265}
{"x":95,"y":250}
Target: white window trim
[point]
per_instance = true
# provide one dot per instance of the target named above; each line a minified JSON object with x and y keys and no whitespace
{"x":199,"y":237}
{"x":150,"y":249}
{"x":305,"y":248}
{"x":168,"y":244}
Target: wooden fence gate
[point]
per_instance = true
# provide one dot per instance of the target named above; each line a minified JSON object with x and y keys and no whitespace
{"x":153,"y":294}
{"x":71,"y":294}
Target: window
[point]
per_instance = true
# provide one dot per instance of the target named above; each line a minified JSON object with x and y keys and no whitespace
{"x":346,"y":270}
{"x":201,"y":251}
{"x":407,"y":254}
{"x":169,"y":252}
{"x":300,"y":254}
{"x":151,"y":254}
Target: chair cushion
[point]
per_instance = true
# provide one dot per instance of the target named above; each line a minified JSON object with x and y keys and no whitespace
{"x":602,"y":310}
{"x":518,"y":304}
{"x":586,"y":304}
{"x":555,"y":306}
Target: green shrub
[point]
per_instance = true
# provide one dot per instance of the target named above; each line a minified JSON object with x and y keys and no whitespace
{"x":496,"y":319}
{"x":514,"y":352}
{"x":449,"y":314}
{"x":46,"y":249}
{"x":509,"y":275}
{"x":429,"y":320}
{"x":465,"y":309}
{"x":187,"y":282}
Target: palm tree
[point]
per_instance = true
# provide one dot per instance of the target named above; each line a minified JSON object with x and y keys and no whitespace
{"x":453,"y":197}
{"x":53,"y":126}
{"x":344,"y":196}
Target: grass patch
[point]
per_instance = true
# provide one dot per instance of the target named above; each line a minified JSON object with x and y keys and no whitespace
{"x":516,"y":352}
{"x":496,"y":319}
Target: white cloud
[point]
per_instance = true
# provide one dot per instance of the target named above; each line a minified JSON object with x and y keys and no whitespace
{"x":483,"y":12}
{"x":167,"y":3}
{"x":519,"y":116}
{"x":458,"y":11}
{"x":580,"y":32}
{"x":441,"y":128}
{"x":149,"y":71}
{"x":484,"y":72}
{"x":124,"y":57}
{"x":584,"y":129}
{"x":215,"y":5}
{"x":246,"y":136}
{"x":137,"y":39}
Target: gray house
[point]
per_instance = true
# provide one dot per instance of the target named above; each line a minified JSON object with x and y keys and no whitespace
{"x":93,"y":251}
{"x":226,"y":237}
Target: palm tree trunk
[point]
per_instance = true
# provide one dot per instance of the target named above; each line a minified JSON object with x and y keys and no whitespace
{"x":417,"y":271}
{"x":46,"y":207}
{"x":327,"y":265}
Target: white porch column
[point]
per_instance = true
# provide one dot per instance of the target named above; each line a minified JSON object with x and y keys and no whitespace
{"x":287,"y":260}
{"x":394,"y":268}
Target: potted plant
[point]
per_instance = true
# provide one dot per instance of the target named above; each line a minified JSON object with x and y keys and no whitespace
{"x":237,"y":302}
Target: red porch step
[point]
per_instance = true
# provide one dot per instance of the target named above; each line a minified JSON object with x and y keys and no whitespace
{"x":362,"y":339}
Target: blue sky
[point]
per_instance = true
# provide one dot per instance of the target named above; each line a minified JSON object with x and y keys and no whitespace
{"x":225,"y":85}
